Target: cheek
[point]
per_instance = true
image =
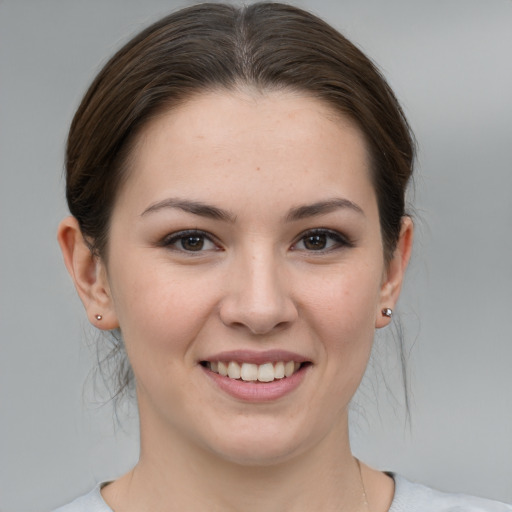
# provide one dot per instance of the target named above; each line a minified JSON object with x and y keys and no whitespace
{"x":344,"y":300}
{"x":341,"y":315}
{"x":159,"y":311}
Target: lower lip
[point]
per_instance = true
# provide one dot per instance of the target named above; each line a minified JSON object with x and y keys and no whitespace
{"x":258,"y":391}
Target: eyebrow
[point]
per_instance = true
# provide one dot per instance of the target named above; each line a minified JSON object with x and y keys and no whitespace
{"x":322,"y":208}
{"x":194,"y":207}
{"x":213,"y":212}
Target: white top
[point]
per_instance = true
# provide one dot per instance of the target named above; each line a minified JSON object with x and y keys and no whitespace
{"x":409,"y":497}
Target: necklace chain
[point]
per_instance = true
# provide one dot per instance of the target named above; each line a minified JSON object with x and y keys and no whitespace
{"x":365,"y":497}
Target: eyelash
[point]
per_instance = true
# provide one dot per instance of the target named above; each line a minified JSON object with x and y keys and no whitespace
{"x":339,"y":240}
{"x":174,"y":238}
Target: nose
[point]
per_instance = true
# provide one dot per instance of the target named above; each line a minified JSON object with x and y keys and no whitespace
{"x":258,"y":296}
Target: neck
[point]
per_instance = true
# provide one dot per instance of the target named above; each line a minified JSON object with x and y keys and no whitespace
{"x":172,"y":474}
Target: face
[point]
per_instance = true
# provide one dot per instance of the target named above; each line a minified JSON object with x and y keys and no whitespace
{"x":247,"y":240}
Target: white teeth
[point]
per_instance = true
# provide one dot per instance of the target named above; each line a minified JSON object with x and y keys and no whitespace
{"x":266,"y":372}
{"x":289,"y":367}
{"x":222,"y":369}
{"x":233,"y":370}
{"x":279,"y":370}
{"x":251,"y":372}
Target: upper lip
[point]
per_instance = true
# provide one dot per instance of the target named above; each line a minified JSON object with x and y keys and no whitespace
{"x":255,"y":357}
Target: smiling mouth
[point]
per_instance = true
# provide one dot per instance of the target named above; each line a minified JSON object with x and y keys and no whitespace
{"x":249,"y":372}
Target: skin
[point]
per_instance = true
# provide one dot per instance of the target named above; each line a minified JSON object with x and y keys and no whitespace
{"x":257,"y":284}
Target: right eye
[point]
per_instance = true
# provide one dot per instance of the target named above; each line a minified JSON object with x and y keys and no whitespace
{"x":321,"y":241}
{"x":189,"y":241}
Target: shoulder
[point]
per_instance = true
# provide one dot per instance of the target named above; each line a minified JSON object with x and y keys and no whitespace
{"x":91,"y":502}
{"x":412,"y":497}
{"x":409,"y":497}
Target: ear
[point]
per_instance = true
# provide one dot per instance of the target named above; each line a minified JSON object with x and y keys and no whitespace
{"x":88,"y":273}
{"x":394,"y":276}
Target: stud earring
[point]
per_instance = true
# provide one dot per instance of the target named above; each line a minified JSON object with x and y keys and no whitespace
{"x":387,"y":312}
{"x":98,"y":317}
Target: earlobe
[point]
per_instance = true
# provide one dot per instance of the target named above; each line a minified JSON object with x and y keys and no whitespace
{"x":88,"y":274}
{"x":392,"y":284}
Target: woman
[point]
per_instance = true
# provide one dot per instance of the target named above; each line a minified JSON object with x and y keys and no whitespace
{"x":236,"y":180}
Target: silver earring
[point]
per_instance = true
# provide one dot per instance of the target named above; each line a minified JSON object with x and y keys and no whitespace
{"x":387,"y":312}
{"x":98,"y":317}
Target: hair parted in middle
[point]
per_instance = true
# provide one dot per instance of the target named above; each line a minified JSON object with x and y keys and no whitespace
{"x":217,"y":47}
{"x":207,"y":47}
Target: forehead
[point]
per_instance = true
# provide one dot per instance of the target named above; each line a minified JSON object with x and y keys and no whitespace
{"x":230,"y":144}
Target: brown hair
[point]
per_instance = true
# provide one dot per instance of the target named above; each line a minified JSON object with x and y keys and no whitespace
{"x":212,"y":46}
{"x":266,"y":46}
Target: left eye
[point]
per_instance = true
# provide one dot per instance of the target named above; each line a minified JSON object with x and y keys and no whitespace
{"x":190,"y":241}
{"x":320,"y":240}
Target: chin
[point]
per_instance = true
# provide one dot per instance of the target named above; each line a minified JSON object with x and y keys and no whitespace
{"x":260,"y":445}
{"x":257,"y":454}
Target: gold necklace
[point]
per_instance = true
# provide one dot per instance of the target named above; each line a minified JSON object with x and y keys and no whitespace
{"x":365,"y":497}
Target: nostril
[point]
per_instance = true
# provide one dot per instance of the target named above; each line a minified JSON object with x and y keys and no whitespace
{"x":260,"y":306}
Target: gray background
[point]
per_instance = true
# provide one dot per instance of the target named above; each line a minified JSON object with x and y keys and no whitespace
{"x":450,"y":63}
